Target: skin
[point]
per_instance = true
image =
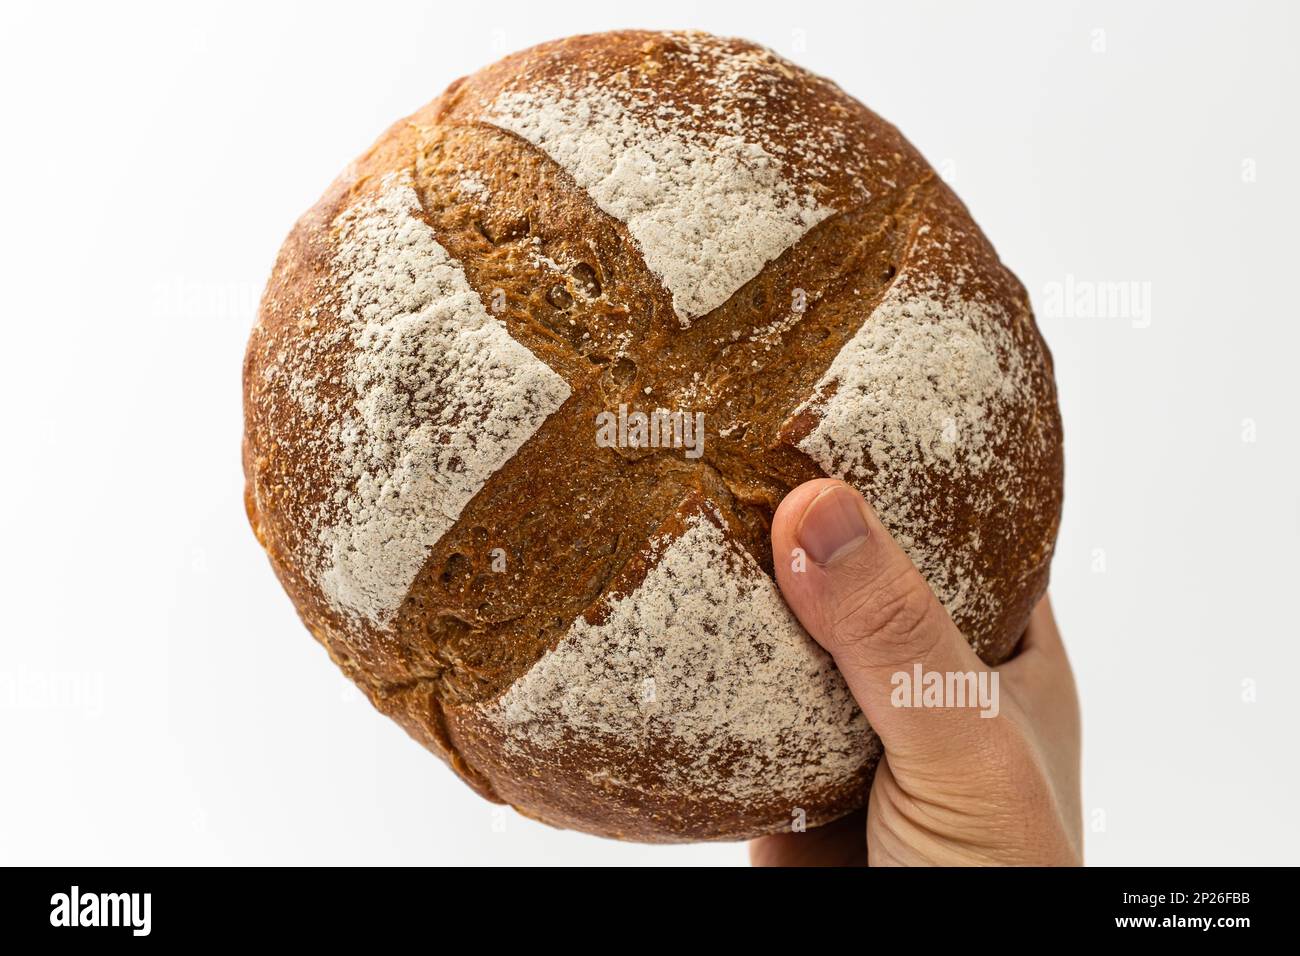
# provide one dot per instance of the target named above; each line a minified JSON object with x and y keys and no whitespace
{"x":953,"y":788}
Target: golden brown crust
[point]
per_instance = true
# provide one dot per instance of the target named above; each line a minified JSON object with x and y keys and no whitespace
{"x":572,"y":520}
{"x":625,"y":794}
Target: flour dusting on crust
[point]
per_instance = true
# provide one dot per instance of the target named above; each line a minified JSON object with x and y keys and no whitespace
{"x":707,"y":202}
{"x":705,"y":663}
{"x":444,"y":396}
{"x":928,"y":386}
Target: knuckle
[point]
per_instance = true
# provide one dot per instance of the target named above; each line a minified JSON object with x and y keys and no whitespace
{"x":893,"y":615}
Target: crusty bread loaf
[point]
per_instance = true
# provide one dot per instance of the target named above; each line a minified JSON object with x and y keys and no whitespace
{"x":585,"y":629}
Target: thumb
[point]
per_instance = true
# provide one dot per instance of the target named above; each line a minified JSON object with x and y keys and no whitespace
{"x":860,"y":597}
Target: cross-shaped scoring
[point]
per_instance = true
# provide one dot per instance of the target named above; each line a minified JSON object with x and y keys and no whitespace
{"x":557,"y":238}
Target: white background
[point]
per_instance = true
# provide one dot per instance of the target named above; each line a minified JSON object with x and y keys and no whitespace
{"x":160,"y":702}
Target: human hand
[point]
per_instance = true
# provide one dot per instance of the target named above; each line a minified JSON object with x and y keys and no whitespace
{"x":953,"y":788}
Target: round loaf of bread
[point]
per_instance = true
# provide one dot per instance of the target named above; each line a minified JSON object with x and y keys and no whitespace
{"x":529,"y":381}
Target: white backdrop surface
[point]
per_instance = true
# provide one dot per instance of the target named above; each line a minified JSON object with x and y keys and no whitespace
{"x":160,"y":702}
